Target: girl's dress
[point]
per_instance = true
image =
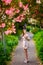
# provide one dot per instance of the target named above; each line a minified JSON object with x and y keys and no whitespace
{"x":25,"y":41}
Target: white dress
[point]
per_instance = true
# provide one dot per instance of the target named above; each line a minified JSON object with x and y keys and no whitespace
{"x":25,"y":42}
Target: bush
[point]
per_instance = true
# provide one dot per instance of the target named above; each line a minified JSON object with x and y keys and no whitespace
{"x":33,"y":29}
{"x":11,"y":41}
{"x":39,"y":44}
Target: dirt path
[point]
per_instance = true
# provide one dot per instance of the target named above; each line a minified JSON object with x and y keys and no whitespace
{"x":18,"y":55}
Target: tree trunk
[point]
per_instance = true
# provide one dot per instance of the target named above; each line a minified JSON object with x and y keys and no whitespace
{"x":3,"y":41}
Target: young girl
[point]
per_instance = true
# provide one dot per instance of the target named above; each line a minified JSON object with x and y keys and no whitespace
{"x":25,"y":44}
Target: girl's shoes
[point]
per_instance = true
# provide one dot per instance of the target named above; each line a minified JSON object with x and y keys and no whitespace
{"x":26,"y":61}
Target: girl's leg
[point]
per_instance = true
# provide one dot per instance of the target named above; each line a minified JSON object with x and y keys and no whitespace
{"x":26,"y":54}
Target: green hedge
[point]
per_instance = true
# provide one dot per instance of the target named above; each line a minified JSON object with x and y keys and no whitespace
{"x":11,"y":42}
{"x":33,"y":29}
{"x":39,"y":44}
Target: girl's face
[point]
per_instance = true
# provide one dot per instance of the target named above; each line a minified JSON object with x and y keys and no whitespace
{"x":24,"y":31}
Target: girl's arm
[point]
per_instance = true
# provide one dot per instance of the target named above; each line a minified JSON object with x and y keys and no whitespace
{"x":27,"y":37}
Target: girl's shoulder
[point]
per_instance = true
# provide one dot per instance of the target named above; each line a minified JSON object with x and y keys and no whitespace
{"x":26,"y":34}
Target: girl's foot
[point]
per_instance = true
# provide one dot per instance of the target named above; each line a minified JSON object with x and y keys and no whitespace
{"x":26,"y":61}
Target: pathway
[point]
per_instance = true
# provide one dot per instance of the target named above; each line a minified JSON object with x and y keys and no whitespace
{"x":18,"y":55}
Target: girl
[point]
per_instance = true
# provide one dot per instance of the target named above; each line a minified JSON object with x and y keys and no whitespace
{"x":25,"y":44}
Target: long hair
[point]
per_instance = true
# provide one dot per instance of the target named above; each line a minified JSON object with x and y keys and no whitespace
{"x":24,"y":28}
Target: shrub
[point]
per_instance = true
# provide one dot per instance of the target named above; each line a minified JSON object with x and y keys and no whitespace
{"x":35,"y":30}
{"x":39,"y":44}
{"x":11,"y":41}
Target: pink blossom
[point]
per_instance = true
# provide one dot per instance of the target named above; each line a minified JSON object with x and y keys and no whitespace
{"x":17,"y":20}
{"x":14,"y":30}
{"x":7,"y":1}
{"x":8,"y":32}
{"x":13,"y":26}
{"x":9,"y":11}
{"x":25,"y":7}
{"x":12,"y":8}
{"x":20,"y":4}
{"x":17,"y":11}
{"x":22,"y":15}
{"x":20,"y":18}
{"x":3,"y":25}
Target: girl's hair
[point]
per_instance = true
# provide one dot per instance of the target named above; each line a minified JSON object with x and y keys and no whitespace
{"x":23,"y":33}
{"x":24,"y":28}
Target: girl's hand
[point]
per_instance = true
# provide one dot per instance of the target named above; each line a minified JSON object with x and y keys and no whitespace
{"x":27,"y":38}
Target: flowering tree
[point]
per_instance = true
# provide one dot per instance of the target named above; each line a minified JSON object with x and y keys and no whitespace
{"x":9,"y":14}
{"x":36,"y":10}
